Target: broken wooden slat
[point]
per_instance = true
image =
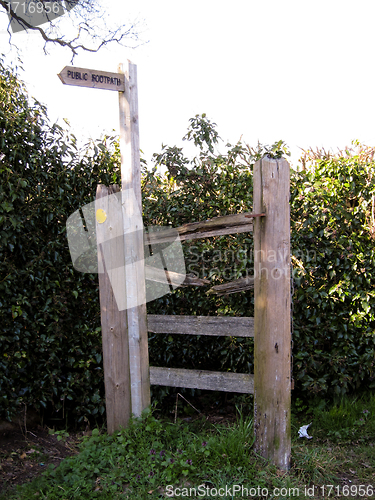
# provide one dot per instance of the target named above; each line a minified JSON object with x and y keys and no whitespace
{"x":175,"y":279}
{"x":202,"y":379}
{"x":217,"y":222}
{"x":218,"y":226}
{"x":191,"y":279}
{"x":220,"y":326}
{"x":167,"y":236}
{"x":246,"y":228}
{"x":236,"y":286}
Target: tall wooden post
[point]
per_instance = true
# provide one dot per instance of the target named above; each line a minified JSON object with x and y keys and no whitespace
{"x":109,"y":229}
{"x":272,"y":314}
{"x":133,"y":243}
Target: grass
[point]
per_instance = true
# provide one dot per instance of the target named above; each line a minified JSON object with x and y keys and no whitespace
{"x":153,"y":457}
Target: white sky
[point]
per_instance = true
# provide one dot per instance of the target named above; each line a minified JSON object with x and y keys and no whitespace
{"x":265,"y":70}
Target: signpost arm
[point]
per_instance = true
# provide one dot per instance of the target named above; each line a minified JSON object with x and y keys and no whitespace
{"x":133,"y":243}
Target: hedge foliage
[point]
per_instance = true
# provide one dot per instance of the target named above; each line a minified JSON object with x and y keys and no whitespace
{"x":333,"y":229}
{"x":50,"y":345}
{"x":50,"y":339}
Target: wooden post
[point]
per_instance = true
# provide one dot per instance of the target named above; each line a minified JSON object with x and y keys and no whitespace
{"x":272,"y":314}
{"x":114,"y":322}
{"x":133,"y":243}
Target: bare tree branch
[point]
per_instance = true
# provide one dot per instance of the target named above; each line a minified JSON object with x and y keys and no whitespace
{"x":87,"y":17}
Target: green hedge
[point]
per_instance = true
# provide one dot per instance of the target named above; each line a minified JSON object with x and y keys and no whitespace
{"x":333,"y":230}
{"x":50,"y":345}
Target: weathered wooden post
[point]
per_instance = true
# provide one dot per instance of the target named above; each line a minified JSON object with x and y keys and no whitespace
{"x":109,"y":228}
{"x":272,"y":314}
{"x":135,"y":284}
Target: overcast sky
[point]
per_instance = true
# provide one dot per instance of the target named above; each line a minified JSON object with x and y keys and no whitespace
{"x":265,"y":70}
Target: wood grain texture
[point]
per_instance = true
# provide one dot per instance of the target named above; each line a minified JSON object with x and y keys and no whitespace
{"x":133,"y":242}
{"x":217,"y":226}
{"x":202,"y":379}
{"x":239,"y":285}
{"x":272,"y":314}
{"x":114,"y":330}
{"x":220,"y":326}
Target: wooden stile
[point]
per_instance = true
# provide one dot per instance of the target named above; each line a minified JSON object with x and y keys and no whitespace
{"x":272,"y":313}
{"x":127,"y":374}
{"x":125,"y":347}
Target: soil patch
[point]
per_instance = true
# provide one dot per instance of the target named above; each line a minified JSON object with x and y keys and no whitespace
{"x":26,"y":456}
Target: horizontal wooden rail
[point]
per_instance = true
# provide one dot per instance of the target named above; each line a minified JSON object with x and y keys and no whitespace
{"x":220,"y":326}
{"x":239,"y":285}
{"x":202,"y":379}
{"x":218,"y":226}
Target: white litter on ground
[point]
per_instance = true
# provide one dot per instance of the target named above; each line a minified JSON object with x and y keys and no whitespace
{"x":302,"y":433}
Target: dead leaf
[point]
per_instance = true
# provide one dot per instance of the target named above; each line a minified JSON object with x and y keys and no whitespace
{"x":23,"y":455}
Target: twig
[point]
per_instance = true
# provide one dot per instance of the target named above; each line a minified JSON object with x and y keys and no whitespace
{"x":175,"y":413}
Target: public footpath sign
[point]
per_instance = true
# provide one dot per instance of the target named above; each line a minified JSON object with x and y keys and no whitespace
{"x":91,"y":78}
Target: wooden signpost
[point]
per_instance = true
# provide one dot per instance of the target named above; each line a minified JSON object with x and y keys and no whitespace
{"x":124,"y":333}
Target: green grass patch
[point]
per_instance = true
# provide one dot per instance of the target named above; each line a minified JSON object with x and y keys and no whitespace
{"x":349,"y":420}
{"x":153,"y":457}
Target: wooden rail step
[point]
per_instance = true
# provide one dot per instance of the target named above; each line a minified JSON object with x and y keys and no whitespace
{"x":202,"y":379}
{"x":220,"y":326}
